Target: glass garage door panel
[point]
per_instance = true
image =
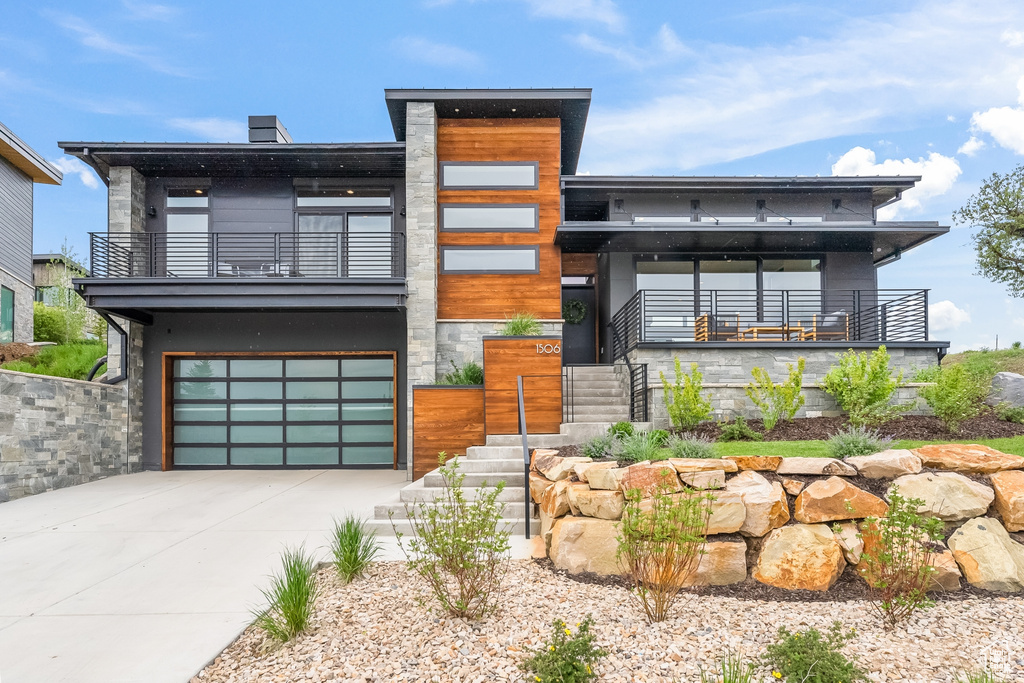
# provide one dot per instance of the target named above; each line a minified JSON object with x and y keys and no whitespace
{"x":284,"y":412}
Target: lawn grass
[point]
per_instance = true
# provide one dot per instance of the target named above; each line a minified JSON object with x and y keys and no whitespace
{"x":69,"y":360}
{"x":819,"y":449}
{"x":987,"y":362}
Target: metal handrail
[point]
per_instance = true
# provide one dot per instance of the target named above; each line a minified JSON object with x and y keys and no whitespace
{"x":527,"y":501}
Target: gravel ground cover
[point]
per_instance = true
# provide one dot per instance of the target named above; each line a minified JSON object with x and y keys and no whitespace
{"x":385,"y":628}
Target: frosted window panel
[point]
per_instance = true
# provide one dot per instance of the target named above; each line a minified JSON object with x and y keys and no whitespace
{"x":494,"y":218}
{"x":489,"y":260}
{"x":489,"y":175}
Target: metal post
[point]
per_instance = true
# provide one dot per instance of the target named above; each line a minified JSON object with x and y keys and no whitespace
{"x":526,"y":456}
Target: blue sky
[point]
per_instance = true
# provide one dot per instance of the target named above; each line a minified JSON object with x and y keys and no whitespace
{"x":731,"y":88}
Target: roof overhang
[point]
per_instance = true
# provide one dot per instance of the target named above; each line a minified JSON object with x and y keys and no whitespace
{"x":26,"y":159}
{"x":571,"y":105}
{"x":884,"y":240}
{"x":884,"y":189}
{"x":205,"y":160}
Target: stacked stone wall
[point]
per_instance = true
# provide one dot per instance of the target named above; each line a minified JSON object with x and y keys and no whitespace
{"x":461,"y":341}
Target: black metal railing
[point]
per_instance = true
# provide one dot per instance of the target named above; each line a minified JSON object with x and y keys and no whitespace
{"x":247,"y":254}
{"x":666,"y":316}
{"x":636,"y":399}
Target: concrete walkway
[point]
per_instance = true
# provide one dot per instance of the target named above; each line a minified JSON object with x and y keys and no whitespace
{"x":147,"y":577}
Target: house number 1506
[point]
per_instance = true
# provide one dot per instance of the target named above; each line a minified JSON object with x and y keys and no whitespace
{"x":549,"y":348}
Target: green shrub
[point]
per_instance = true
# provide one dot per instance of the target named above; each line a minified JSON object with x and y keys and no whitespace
{"x":956,"y":396}
{"x":690,"y":447}
{"x":687,"y":408}
{"x":70,"y":360}
{"x":660,"y":436}
{"x":353,"y":546}
{"x":468,"y":374}
{"x":1005,"y":411}
{"x":521,"y":325}
{"x":738,"y":430}
{"x":639,"y":447}
{"x":48,"y":324}
{"x":897,"y":558}
{"x":811,"y":657}
{"x":732,"y":669}
{"x":621,"y":429}
{"x":598,"y":447}
{"x":660,"y":543}
{"x":777,"y":401}
{"x":291,"y":596}
{"x":863,"y":385}
{"x":566,"y":658}
{"x":459,"y":547}
{"x":854,"y":441}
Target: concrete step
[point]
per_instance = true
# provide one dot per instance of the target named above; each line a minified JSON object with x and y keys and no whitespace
{"x":589,"y":373}
{"x":606,"y":400}
{"x":384,"y":528}
{"x":495,"y":465}
{"x":494,"y":452}
{"x":578,"y":392}
{"x":534,"y":440}
{"x":417,"y":491}
{"x":400,"y":511}
{"x":583,"y":430}
{"x":475,"y":479}
{"x":600,"y":414}
{"x":605,"y":384}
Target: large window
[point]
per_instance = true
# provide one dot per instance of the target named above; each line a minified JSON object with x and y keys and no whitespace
{"x":728,"y":274}
{"x":489,"y":259}
{"x":664,"y":274}
{"x":188,"y":232}
{"x":6,"y":315}
{"x":346,"y":232}
{"x":498,"y":175}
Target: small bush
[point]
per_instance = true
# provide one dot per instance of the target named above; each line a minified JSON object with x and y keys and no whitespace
{"x":521,"y":325}
{"x":566,"y":658}
{"x":48,"y":324}
{"x":732,"y":669}
{"x":639,"y":447}
{"x":863,"y":386}
{"x":739,"y":431}
{"x":811,"y":657}
{"x":897,"y":558}
{"x":459,"y":547}
{"x":1009,"y":413}
{"x":660,"y":543}
{"x":956,"y":396}
{"x":291,"y":596}
{"x":660,"y":436}
{"x":854,"y":441}
{"x":687,"y":407}
{"x":777,"y":401}
{"x":690,"y":447}
{"x":983,"y":676}
{"x":598,"y":447}
{"x":470,"y":373}
{"x":621,"y":429}
{"x":353,"y":546}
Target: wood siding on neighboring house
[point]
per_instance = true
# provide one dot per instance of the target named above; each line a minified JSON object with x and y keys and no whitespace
{"x":15,"y":222}
{"x":494,"y":296}
{"x":448,"y":419}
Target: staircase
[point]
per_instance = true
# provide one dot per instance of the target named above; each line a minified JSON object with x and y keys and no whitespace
{"x":595,"y":393}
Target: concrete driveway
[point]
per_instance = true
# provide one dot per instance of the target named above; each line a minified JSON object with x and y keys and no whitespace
{"x":147,"y":577}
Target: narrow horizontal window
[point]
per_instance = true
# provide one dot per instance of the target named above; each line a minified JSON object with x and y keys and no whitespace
{"x":489,"y":260}
{"x":661,"y":219}
{"x":342,"y":197}
{"x":489,"y":217}
{"x":188,"y":198}
{"x":792,"y":219}
{"x":495,"y":175}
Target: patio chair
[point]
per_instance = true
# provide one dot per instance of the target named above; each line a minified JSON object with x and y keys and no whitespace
{"x":708,"y":327}
{"x":834,"y":326}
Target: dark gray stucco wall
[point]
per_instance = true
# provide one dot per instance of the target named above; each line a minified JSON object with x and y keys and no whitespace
{"x":850,"y":270}
{"x":857,"y":205}
{"x":263,"y":331}
{"x":16,"y":221}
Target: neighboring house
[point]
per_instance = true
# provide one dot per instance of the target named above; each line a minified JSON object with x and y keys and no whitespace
{"x":283,"y":298}
{"x":48,"y":271}
{"x":20,"y":168}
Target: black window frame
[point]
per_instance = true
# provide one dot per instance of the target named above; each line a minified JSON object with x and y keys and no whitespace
{"x":475,"y":205}
{"x":485,"y":188}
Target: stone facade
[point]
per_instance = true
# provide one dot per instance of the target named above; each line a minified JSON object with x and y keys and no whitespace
{"x":420,"y":249}
{"x":727,"y":373}
{"x":24,"y":295}
{"x":461,"y":341}
{"x":57,"y":432}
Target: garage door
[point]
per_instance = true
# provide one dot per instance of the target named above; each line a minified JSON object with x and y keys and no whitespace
{"x":288,"y":411}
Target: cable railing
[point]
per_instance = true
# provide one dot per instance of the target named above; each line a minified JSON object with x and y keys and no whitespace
{"x":247,"y":255}
{"x":669,"y":316}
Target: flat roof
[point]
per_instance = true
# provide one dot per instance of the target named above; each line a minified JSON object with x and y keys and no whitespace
{"x":26,"y":159}
{"x":571,"y":105}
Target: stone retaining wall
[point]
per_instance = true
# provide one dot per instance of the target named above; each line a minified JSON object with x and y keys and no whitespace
{"x":57,"y":432}
{"x":461,"y":341}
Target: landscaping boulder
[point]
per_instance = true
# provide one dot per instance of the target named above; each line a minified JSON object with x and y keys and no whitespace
{"x":947,"y":495}
{"x":988,"y":557}
{"x":584,"y":544}
{"x":832,"y":499}
{"x":816,"y":466}
{"x":793,"y":486}
{"x":555,"y":501}
{"x":608,"y":479}
{"x":711,"y":479}
{"x":650,"y":477}
{"x":569,"y":496}
{"x":727,"y":511}
{"x":765,"y":503}
{"x":963,"y":457}
{"x":582,"y":468}
{"x":543,"y":456}
{"x":1009,"y":488}
{"x":538,"y":485}
{"x":1007,"y":387}
{"x":590,"y":503}
{"x":800,"y":556}
{"x":702,"y":464}
{"x":850,"y":541}
{"x":723,"y":563}
{"x":759,"y":463}
{"x":553,"y":466}
{"x":946,"y":576}
{"x":887,"y":464}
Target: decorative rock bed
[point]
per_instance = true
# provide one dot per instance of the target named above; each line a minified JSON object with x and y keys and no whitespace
{"x":773,"y":518}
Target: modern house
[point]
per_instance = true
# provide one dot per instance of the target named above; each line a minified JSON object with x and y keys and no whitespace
{"x":20,"y":168}
{"x":282,"y":299}
{"x":49,"y":270}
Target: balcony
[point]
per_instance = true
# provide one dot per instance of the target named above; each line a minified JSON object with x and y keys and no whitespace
{"x":133,"y":274}
{"x":843,"y":318}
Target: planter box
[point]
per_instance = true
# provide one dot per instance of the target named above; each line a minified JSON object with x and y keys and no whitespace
{"x":445,"y":418}
{"x":539,"y":361}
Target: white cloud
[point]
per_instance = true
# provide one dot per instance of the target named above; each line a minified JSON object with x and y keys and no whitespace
{"x":1012,"y":38}
{"x":72,"y":166}
{"x":971,"y":147}
{"x":1004,"y":124}
{"x":938,"y":173}
{"x":726,"y":102}
{"x":437,"y":54}
{"x":148,"y":11}
{"x":94,"y":39}
{"x":213,"y":129}
{"x":601,"y":11}
{"x":945,"y":315}
{"x":666,"y":45}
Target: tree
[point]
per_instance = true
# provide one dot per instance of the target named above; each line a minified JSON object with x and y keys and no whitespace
{"x":61,"y":271}
{"x":997,"y":211}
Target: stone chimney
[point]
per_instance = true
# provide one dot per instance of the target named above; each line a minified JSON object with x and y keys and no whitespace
{"x":267,"y":129}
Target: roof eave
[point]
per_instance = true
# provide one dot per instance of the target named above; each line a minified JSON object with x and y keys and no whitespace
{"x":27,"y":160}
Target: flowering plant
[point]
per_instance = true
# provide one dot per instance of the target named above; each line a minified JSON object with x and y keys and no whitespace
{"x":566,"y":658}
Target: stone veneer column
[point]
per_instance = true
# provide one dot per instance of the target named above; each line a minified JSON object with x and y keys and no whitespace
{"x":420,"y":252}
{"x":126,"y":202}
